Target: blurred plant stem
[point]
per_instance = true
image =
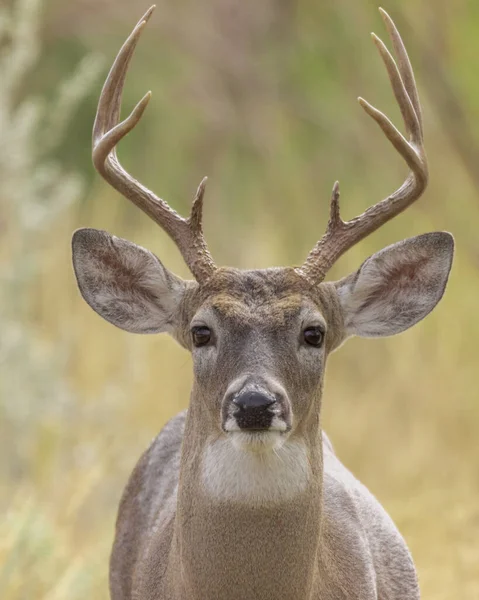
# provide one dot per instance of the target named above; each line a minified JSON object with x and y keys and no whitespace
{"x":34,"y":191}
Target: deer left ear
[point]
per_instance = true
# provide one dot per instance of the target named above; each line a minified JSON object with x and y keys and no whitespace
{"x":396,"y":287}
{"x":126,"y":284}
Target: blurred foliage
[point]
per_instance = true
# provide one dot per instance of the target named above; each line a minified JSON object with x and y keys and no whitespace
{"x":261,"y":99}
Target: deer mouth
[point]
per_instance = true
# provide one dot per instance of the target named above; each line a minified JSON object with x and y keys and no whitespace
{"x":273,"y":423}
{"x":254,"y":438}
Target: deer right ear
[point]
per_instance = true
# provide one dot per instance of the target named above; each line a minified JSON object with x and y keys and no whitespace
{"x":124,"y":283}
{"x":396,"y":287}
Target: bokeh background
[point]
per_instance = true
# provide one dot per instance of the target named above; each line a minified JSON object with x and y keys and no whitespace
{"x":261,"y":97}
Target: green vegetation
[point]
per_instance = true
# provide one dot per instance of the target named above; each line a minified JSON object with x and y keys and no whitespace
{"x":261,"y":98}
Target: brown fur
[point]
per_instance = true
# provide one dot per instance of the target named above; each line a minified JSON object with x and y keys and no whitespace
{"x":273,"y":295}
{"x":300,"y":526}
{"x":192,"y":548}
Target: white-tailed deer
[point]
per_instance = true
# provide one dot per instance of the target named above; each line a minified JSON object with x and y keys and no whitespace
{"x":242,"y":497}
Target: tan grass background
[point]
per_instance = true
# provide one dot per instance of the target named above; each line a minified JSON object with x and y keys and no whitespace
{"x":261,"y":98}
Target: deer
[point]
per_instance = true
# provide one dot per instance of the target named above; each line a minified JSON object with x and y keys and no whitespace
{"x":242,"y":496}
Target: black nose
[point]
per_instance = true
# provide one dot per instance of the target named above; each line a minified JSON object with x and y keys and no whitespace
{"x":253,"y":400}
{"x":253,"y":410}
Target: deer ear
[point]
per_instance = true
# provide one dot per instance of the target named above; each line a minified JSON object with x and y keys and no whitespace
{"x":124,"y":283}
{"x":396,"y":287}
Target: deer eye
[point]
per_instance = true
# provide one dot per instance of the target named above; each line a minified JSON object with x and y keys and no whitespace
{"x":313,"y":336}
{"x":201,"y":335}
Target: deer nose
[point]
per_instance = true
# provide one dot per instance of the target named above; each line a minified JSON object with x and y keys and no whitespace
{"x":253,"y":411}
{"x":254,"y":401}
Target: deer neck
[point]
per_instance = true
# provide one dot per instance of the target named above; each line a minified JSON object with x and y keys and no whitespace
{"x":247,"y":521}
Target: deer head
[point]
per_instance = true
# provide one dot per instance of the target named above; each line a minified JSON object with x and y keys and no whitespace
{"x":260,"y":339}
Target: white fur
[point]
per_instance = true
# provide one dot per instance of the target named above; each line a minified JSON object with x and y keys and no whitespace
{"x":277,"y":424}
{"x":255,"y":468}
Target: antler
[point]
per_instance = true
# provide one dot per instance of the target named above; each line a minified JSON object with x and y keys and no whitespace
{"x":341,"y":235}
{"x":108,"y":131}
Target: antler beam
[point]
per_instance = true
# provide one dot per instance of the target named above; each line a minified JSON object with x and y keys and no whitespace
{"x":108,"y":131}
{"x":341,"y":235}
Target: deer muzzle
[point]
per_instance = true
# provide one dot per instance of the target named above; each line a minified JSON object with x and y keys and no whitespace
{"x":256,"y":405}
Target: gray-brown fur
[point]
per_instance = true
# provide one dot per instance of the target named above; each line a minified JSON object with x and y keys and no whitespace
{"x":362,"y":553}
{"x":184,"y":530}
{"x":243,"y":497}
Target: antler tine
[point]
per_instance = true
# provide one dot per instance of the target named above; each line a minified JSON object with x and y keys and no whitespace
{"x":404,"y":65}
{"x":109,"y":105}
{"x":108,"y":131}
{"x":341,"y":235}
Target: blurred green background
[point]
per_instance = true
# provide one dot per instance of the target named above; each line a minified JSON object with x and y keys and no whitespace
{"x":261,"y":97}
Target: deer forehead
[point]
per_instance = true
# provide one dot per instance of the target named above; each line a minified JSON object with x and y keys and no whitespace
{"x":276,"y":311}
{"x":271,"y":297}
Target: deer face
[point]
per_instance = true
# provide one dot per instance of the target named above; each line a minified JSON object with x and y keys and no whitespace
{"x":260,"y":339}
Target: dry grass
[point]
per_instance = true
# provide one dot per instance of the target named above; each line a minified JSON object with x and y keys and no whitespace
{"x":403,"y":413}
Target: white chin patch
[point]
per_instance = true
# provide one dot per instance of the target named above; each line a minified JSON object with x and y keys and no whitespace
{"x":277,"y":426}
{"x":255,"y":468}
{"x":256,"y":441}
